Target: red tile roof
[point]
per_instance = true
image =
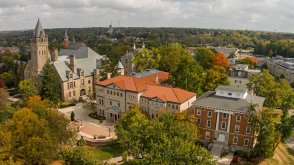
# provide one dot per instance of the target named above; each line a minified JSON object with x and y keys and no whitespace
{"x":164,"y":93}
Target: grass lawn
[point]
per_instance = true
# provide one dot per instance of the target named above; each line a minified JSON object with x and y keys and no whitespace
{"x":112,"y":149}
{"x":283,"y":156}
{"x":10,"y":112}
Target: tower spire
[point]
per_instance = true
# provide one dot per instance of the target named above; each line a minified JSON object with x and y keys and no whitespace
{"x":39,"y":31}
{"x":65,"y":34}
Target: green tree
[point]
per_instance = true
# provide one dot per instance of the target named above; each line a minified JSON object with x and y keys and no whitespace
{"x":107,"y":67}
{"x":170,"y":56}
{"x":188,"y":75}
{"x":286,"y":124}
{"x":50,"y":87}
{"x":268,"y":135}
{"x":79,"y":155}
{"x":205,"y":57}
{"x":27,"y":88}
{"x":145,"y":59}
{"x":9,"y":79}
{"x":214,"y":77}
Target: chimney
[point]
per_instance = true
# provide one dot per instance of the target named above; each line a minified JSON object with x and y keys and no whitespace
{"x":73,"y":66}
{"x":156,"y":79}
{"x":54,"y":54}
{"x":108,"y":76}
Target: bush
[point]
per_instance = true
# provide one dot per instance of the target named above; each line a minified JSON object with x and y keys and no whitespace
{"x":67,"y":104}
{"x":98,"y":117}
{"x":72,"y":116}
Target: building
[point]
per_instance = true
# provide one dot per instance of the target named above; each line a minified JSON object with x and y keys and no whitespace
{"x":40,"y":54}
{"x":117,"y":95}
{"x":226,"y":51}
{"x":280,"y":66}
{"x":77,"y":65}
{"x":126,"y":59}
{"x":240,"y":75}
{"x":222,"y":117}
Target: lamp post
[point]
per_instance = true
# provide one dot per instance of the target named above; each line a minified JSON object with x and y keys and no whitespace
{"x":109,"y":131}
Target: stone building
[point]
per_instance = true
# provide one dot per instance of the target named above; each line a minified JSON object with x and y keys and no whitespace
{"x":117,"y":95}
{"x":281,"y":67}
{"x":222,"y":117}
{"x":39,"y":53}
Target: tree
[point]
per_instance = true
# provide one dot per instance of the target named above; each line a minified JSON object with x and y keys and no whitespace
{"x":264,"y":85}
{"x":31,"y":137}
{"x":168,"y":139}
{"x":146,"y":59}
{"x":9,"y":79}
{"x":214,"y":77}
{"x":79,"y":155}
{"x":170,"y":56}
{"x":268,"y":135}
{"x":205,"y":57}
{"x":4,"y":99}
{"x":247,"y":61}
{"x":132,"y":133}
{"x":188,"y":75}
{"x":50,"y":87}
{"x":221,"y":60}
{"x":27,"y":88}
{"x":107,"y":67}
{"x":72,"y":116}
{"x":286,"y":127}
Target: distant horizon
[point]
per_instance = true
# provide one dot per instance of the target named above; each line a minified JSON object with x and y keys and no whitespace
{"x":262,"y":15}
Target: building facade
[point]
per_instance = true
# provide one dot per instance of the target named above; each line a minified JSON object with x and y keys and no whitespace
{"x":117,"y":95}
{"x":240,"y":75}
{"x":280,"y":66}
{"x":222,"y":117}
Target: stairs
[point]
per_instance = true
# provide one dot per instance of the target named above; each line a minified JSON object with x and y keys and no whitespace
{"x":217,"y":148}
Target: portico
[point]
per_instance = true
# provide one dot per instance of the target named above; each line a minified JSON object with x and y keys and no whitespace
{"x":222,"y":132}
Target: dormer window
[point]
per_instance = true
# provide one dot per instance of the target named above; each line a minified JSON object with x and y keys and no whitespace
{"x":82,"y":73}
{"x":70,"y":75}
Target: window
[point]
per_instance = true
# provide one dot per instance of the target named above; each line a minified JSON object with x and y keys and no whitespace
{"x":111,"y":92}
{"x":82,"y":81}
{"x":110,"y":102}
{"x":121,"y":95}
{"x":238,"y":118}
{"x":198,"y":111}
{"x":209,"y":113}
{"x":246,"y":142}
{"x":70,"y":75}
{"x":248,"y":130}
{"x":224,"y":115}
{"x":107,"y":91}
{"x":207,"y":135}
{"x":173,"y":106}
{"x":224,"y":125}
{"x":118,"y":104}
{"x":114,"y":93}
{"x":70,"y":85}
{"x":69,"y":94}
{"x":177,"y":107}
{"x":237,"y":128}
{"x":117,"y":94}
{"x":235,"y":140}
{"x":89,"y":81}
{"x":74,"y":93}
{"x":208,"y":123}
{"x":198,"y":121}
{"x":67,"y":85}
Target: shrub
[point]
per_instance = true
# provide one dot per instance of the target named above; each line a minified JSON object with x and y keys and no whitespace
{"x":72,"y":116}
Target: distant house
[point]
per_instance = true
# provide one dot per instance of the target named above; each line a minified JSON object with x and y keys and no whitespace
{"x":240,"y":75}
{"x":222,"y":117}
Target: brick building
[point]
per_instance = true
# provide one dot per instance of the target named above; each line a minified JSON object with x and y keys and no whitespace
{"x":222,"y":117}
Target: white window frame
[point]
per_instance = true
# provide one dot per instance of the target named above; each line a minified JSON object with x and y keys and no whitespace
{"x":224,"y":117}
{"x":207,"y":135}
{"x":209,"y":112}
{"x":235,"y":137}
{"x":237,"y":126}
{"x":198,"y":123}
{"x":208,"y":121}
{"x":248,"y":128}
{"x":225,"y":125}
{"x":246,"y":139}
{"x":237,"y":118}
{"x":198,"y":112}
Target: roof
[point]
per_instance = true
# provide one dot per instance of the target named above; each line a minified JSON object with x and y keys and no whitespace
{"x":236,"y":104}
{"x":119,"y":65}
{"x":167,"y":94}
{"x":86,"y":59}
{"x":39,"y":29}
{"x":151,"y":73}
{"x":232,"y":89}
{"x":242,"y":66}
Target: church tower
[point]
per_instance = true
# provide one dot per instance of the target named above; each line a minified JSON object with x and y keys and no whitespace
{"x":65,"y":41}
{"x":39,"y":52}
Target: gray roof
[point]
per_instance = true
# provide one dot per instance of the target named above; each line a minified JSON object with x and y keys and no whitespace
{"x":39,"y":29}
{"x":232,"y":89}
{"x":236,"y":104}
{"x":242,"y":66}
{"x":144,"y":73}
{"x":119,"y":65}
{"x":86,"y":59}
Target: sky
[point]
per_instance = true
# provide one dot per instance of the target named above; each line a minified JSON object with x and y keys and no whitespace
{"x":264,"y":15}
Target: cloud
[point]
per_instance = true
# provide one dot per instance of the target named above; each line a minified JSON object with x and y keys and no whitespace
{"x":229,"y":14}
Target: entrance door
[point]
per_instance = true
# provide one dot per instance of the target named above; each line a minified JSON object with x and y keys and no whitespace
{"x":221,"y":137}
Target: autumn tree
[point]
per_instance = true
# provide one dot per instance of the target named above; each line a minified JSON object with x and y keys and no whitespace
{"x":27,"y":88}
{"x":188,"y":75}
{"x":205,"y":57}
{"x":50,"y":88}
{"x":214,"y":77}
{"x":221,"y":60}
{"x":4,"y":99}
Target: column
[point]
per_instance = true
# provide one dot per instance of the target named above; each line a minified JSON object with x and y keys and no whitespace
{"x":229,"y":123}
{"x":217,"y":121}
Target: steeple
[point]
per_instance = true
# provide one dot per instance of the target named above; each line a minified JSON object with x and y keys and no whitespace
{"x":65,"y":34}
{"x":39,"y":31}
{"x":65,"y":40}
